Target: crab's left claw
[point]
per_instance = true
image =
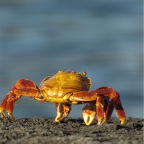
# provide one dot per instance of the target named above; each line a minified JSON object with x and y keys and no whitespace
{"x":63,"y":111}
{"x":89,"y":113}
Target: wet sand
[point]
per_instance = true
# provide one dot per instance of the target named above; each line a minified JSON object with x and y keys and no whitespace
{"x":72,"y":131}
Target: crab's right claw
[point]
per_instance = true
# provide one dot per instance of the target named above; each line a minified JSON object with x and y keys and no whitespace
{"x":89,"y":113}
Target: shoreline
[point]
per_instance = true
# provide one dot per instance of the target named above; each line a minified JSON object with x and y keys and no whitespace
{"x":72,"y":131}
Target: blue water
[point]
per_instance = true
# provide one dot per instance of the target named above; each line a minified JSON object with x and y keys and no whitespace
{"x":103,"y":38}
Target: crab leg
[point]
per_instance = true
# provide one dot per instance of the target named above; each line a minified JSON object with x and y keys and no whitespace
{"x":114,"y":102}
{"x":22,"y":87}
{"x":100,"y":109}
{"x":108,"y":109}
{"x":105,"y":98}
{"x":119,"y":109}
{"x":89,"y":111}
{"x":95,"y":105}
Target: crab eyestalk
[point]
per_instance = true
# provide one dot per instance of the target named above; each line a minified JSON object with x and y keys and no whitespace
{"x":89,"y":113}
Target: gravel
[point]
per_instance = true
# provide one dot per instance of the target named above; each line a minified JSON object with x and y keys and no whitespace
{"x":72,"y":131}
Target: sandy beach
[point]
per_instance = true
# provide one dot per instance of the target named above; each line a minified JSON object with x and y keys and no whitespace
{"x":72,"y":131}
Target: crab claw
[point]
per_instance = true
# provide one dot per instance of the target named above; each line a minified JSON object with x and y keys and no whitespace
{"x":63,"y":111}
{"x":89,"y":113}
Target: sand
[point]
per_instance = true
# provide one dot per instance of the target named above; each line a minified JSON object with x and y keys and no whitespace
{"x":72,"y":131}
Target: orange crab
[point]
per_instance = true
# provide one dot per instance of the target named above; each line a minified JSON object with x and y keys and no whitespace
{"x":64,"y":89}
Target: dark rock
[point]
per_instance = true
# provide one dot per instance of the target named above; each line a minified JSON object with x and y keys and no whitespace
{"x":72,"y":131}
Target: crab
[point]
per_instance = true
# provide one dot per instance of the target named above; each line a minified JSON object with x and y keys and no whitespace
{"x":66,"y":88}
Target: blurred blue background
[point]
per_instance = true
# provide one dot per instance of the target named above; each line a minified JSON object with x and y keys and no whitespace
{"x":103,"y":38}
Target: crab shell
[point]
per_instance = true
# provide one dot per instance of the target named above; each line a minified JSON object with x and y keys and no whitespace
{"x":63,"y":83}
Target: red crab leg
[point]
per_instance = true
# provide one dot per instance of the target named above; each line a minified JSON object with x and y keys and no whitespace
{"x":106,"y":100}
{"x":108,"y":111}
{"x":63,"y":111}
{"x":89,"y":111}
{"x":100,"y":109}
{"x":22,"y":87}
{"x":119,"y":109}
{"x":109,"y":93}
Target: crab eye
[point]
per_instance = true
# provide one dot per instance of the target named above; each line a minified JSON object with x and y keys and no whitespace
{"x":83,"y":73}
{"x":60,"y":71}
